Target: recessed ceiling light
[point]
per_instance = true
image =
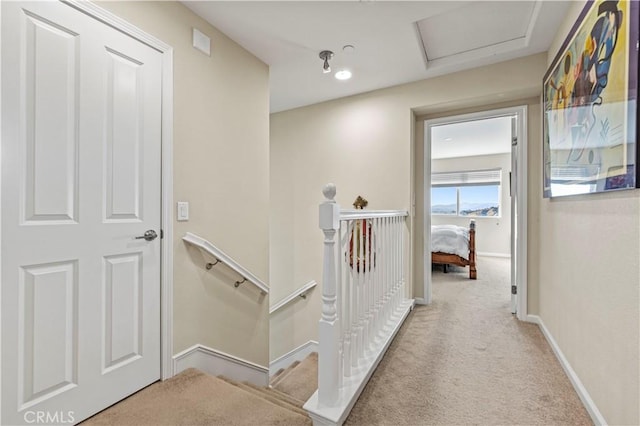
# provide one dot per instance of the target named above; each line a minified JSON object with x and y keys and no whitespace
{"x":343,"y":75}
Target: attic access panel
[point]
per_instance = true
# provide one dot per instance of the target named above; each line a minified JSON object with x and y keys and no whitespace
{"x":476,"y":27}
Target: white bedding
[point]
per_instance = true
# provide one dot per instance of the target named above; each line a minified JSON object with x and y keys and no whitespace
{"x":450,"y":239}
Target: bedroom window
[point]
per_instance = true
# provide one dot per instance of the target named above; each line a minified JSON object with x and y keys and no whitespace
{"x":444,"y":200}
{"x":466,"y":193}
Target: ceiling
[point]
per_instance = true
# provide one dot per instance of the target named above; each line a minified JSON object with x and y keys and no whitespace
{"x":471,"y":138}
{"x":395,"y":41}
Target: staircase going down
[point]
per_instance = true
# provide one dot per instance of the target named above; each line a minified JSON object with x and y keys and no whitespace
{"x":194,"y":397}
{"x":299,"y":380}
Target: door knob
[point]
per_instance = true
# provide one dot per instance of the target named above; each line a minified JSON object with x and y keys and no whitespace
{"x":149,"y":235}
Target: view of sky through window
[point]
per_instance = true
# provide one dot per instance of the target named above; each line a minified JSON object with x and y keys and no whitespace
{"x":477,"y":200}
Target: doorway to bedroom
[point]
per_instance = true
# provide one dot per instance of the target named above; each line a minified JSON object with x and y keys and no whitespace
{"x":475,"y":204}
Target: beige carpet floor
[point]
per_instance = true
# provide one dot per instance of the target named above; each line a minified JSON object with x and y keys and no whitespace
{"x":466,"y":360}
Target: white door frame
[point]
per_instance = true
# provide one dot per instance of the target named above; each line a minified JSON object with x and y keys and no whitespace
{"x":521,"y":188}
{"x":166,"y":243}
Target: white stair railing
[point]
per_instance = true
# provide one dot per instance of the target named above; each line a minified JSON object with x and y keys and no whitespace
{"x":365,"y":300}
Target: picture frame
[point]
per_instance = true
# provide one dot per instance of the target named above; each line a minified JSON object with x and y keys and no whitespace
{"x":590,"y":108}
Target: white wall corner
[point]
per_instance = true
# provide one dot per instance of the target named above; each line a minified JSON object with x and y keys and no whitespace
{"x":219,"y":363}
{"x":589,"y":404}
{"x":297,"y":354}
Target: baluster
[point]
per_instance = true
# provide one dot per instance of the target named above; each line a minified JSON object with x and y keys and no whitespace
{"x":374,"y":279}
{"x":385,"y":271}
{"x":329,"y":325}
{"x":396,"y":278}
{"x":400,"y":264}
{"x":363,"y":283}
{"x":340,"y":303}
{"x":361,"y":287}
{"x":347,"y":301}
{"x":399,"y":284}
{"x":389,"y":292}
{"x":392,"y":281}
{"x":394,"y":268}
{"x":372,"y":283}
{"x":367,"y":283}
{"x":402,"y":292}
{"x":379,"y":270}
{"x":354,"y":294}
{"x":405,"y":287}
{"x":385,"y":280}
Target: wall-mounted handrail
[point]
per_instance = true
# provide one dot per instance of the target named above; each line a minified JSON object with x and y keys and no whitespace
{"x":301,"y":292}
{"x":219,"y":255}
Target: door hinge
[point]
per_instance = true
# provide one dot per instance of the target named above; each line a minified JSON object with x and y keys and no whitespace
{"x":514,"y":141}
{"x":161,"y":234}
{"x":514,"y":289}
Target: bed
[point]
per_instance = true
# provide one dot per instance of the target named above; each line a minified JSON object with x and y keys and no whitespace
{"x":454,"y":245}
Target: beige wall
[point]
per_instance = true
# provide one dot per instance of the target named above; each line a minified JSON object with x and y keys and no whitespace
{"x":363,"y":144}
{"x":493,"y":234}
{"x":221,"y":167}
{"x":590,"y":287}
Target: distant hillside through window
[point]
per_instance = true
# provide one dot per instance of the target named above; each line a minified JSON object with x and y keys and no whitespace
{"x":472,"y":200}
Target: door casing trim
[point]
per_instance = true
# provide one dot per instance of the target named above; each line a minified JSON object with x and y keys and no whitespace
{"x":521,"y":190}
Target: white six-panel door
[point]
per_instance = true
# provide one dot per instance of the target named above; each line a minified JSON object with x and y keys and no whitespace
{"x":81,"y":129}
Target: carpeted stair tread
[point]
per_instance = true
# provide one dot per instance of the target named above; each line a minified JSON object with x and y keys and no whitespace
{"x":302,"y":381}
{"x":297,"y":402}
{"x":195,"y":398}
{"x":284,"y":374}
{"x":266,"y":394}
{"x":275,"y":376}
{"x":283,"y":396}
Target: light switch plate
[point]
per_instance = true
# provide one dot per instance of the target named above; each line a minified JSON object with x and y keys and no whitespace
{"x":183,"y":210}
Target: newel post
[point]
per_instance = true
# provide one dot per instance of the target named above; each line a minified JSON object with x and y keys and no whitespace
{"x":329,"y":327}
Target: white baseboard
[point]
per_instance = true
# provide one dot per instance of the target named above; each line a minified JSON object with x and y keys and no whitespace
{"x":297,"y":354}
{"x":588,"y":403}
{"x":504,"y":255}
{"x":420,"y":301}
{"x":219,"y":363}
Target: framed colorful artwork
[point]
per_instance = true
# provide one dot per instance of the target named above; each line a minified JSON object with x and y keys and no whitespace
{"x":590,"y":94}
